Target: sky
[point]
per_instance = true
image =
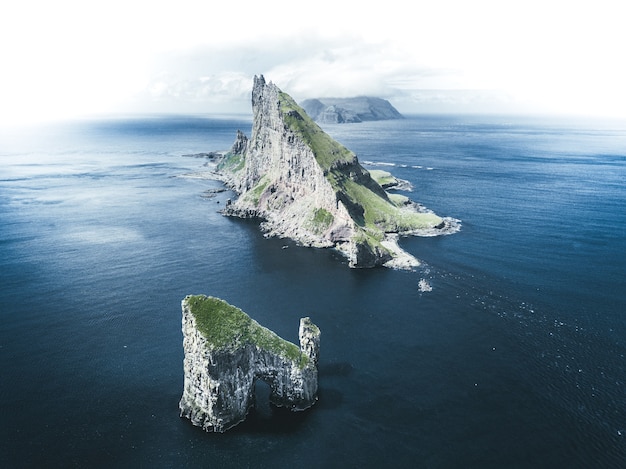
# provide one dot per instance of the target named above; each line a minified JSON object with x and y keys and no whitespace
{"x":63,"y":59}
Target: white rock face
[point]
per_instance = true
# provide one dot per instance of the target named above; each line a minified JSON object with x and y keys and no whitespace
{"x":297,"y":186}
{"x":219,"y":382}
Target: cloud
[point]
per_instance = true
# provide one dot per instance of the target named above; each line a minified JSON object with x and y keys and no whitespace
{"x":194,"y":56}
{"x":216,"y":88}
{"x":306,"y":67}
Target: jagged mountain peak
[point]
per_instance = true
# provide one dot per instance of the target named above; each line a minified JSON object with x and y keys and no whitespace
{"x":306,"y":186}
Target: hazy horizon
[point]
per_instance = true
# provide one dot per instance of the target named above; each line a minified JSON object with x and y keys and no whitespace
{"x":70,"y":59}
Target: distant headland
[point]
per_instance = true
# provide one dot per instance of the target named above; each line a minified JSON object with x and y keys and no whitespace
{"x":305,"y":186}
{"x":349,"y":110}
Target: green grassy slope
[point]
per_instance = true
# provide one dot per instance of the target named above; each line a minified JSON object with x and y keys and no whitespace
{"x":228,"y":327}
{"x":368,"y":204}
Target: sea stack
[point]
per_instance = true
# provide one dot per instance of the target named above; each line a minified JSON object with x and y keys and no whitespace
{"x":226,"y":352}
{"x":308,"y":187}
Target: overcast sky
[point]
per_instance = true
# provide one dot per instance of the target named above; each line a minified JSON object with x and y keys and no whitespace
{"x":67,"y":58}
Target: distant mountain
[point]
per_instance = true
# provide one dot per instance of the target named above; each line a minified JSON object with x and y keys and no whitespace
{"x":349,"y":110}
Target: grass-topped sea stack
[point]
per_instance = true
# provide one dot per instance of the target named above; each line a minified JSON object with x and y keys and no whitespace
{"x":310,"y":188}
{"x":226,"y":351}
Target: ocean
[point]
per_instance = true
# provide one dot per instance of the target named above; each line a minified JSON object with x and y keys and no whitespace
{"x":514,"y":359}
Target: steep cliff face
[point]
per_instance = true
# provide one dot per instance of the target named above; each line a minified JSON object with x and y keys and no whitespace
{"x":308,"y":187}
{"x":226,"y":352}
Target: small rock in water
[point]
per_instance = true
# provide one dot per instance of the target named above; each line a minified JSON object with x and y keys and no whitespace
{"x":424,"y":286}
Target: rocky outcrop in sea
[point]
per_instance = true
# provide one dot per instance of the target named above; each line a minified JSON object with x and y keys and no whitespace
{"x":226,"y":352}
{"x":306,"y":186}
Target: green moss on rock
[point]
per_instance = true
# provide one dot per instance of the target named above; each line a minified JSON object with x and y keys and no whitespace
{"x":322,"y":219}
{"x":256,"y":192}
{"x":383,"y":178}
{"x":382,"y":215}
{"x":228,"y":327}
{"x":232,"y":162}
{"x":398,"y":200}
{"x":328,"y":152}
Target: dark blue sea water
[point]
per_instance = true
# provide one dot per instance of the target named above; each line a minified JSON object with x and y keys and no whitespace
{"x":515,"y":359}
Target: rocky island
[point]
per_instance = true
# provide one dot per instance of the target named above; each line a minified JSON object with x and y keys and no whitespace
{"x":308,"y":187}
{"x":349,"y":110}
{"x":226,"y":351}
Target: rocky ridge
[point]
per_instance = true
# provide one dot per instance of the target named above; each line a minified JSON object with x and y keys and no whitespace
{"x":226,"y":352}
{"x":306,"y":186}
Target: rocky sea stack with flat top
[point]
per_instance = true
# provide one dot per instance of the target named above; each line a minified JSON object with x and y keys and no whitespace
{"x":226,"y":351}
{"x":306,"y":186}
